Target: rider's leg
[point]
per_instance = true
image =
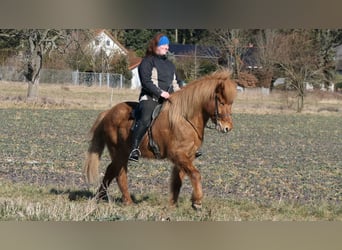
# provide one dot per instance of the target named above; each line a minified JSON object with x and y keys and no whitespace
{"x":145,"y":110}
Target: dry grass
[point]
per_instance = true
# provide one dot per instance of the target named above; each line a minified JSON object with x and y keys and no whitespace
{"x":60,"y":96}
{"x":31,"y":203}
{"x":280,"y":102}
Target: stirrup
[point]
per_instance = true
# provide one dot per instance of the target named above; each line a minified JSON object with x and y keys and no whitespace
{"x":134,"y":155}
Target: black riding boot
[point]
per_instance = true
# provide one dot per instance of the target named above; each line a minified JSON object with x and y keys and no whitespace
{"x":198,"y":153}
{"x":138,"y":133}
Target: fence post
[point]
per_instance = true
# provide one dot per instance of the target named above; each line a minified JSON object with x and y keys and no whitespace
{"x":77,"y":77}
{"x":120,"y":81}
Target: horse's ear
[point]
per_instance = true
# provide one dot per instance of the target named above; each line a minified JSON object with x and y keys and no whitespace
{"x":219,"y":88}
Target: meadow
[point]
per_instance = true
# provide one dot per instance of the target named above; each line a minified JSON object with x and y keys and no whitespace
{"x":276,"y":165}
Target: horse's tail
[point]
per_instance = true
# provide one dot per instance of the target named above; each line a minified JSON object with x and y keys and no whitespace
{"x":95,"y":150}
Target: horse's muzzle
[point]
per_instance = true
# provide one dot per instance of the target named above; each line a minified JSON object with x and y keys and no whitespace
{"x":224,"y":128}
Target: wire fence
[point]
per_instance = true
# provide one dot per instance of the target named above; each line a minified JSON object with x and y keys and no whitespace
{"x":98,"y":79}
{"x":109,"y":80}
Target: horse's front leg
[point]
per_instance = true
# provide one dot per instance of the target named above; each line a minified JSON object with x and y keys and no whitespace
{"x":185,"y":166}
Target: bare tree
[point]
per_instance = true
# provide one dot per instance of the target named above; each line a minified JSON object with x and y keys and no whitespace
{"x":294,"y":53}
{"x":266,"y":42}
{"x":326,"y":40}
{"x":233,"y":42}
{"x":298,"y":57}
{"x":36,"y":43}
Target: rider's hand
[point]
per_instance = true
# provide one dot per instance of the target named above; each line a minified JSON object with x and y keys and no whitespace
{"x":165,"y":95}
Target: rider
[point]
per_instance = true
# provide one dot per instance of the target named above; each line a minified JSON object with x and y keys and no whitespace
{"x":158,"y":79}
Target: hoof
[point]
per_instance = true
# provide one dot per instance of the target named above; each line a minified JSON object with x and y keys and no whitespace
{"x":101,"y":196}
{"x":127,"y":202}
{"x":196,"y":207}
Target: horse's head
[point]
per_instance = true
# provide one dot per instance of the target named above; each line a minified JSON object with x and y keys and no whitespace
{"x":221,"y":114}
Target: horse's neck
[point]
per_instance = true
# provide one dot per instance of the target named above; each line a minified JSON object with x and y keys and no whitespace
{"x":198,"y":122}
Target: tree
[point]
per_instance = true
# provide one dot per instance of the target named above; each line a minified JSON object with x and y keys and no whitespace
{"x":296,"y":54}
{"x":119,"y":65}
{"x":233,"y":43}
{"x":326,"y":40}
{"x":36,"y":43}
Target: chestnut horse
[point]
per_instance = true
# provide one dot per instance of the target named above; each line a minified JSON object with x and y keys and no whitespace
{"x":178,"y":131}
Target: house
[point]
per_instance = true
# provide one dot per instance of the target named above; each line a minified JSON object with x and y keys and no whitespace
{"x":133,"y":67}
{"x":104,"y":41}
{"x":248,"y":57}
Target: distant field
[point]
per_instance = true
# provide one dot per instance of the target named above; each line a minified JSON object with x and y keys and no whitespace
{"x":274,"y":165}
{"x":60,"y":96}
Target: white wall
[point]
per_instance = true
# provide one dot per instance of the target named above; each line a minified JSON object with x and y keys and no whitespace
{"x":135,"y":81}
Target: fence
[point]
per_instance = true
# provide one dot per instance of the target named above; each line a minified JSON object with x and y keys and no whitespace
{"x":11,"y":74}
{"x":99,"y":79}
{"x":68,"y":77}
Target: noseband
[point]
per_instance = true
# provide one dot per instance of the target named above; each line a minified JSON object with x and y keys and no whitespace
{"x":217,"y":115}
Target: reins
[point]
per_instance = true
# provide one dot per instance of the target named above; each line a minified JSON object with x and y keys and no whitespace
{"x":193,"y":126}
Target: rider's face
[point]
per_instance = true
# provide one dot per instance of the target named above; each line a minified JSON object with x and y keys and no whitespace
{"x":162,"y":50}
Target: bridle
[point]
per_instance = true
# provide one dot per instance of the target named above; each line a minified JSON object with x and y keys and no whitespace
{"x":217,"y":115}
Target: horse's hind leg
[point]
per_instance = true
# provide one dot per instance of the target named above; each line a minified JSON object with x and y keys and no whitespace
{"x":102,"y":193}
{"x":121,"y":179}
{"x":176,"y":184}
{"x":118,"y":171}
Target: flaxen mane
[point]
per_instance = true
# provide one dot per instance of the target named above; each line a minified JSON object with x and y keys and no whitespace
{"x":185,"y":103}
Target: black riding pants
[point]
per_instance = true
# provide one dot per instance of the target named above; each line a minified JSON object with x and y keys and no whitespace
{"x":145,"y":110}
{"x":143,"y":120}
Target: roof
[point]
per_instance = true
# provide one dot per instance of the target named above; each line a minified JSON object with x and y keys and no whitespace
{"x":133,"y":62}
{"x":192,"y":49}
{"x":249,"y":57}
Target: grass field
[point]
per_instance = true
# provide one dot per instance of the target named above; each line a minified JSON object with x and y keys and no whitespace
{"x":275,"y":165}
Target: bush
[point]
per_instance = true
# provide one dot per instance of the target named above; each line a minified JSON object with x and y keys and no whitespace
{"x":338,"y":86}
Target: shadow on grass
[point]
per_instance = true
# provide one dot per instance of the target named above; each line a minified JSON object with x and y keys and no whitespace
{"x":86,"y":194}
{"x":135,"y":200}
{"x":74,"y":195}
